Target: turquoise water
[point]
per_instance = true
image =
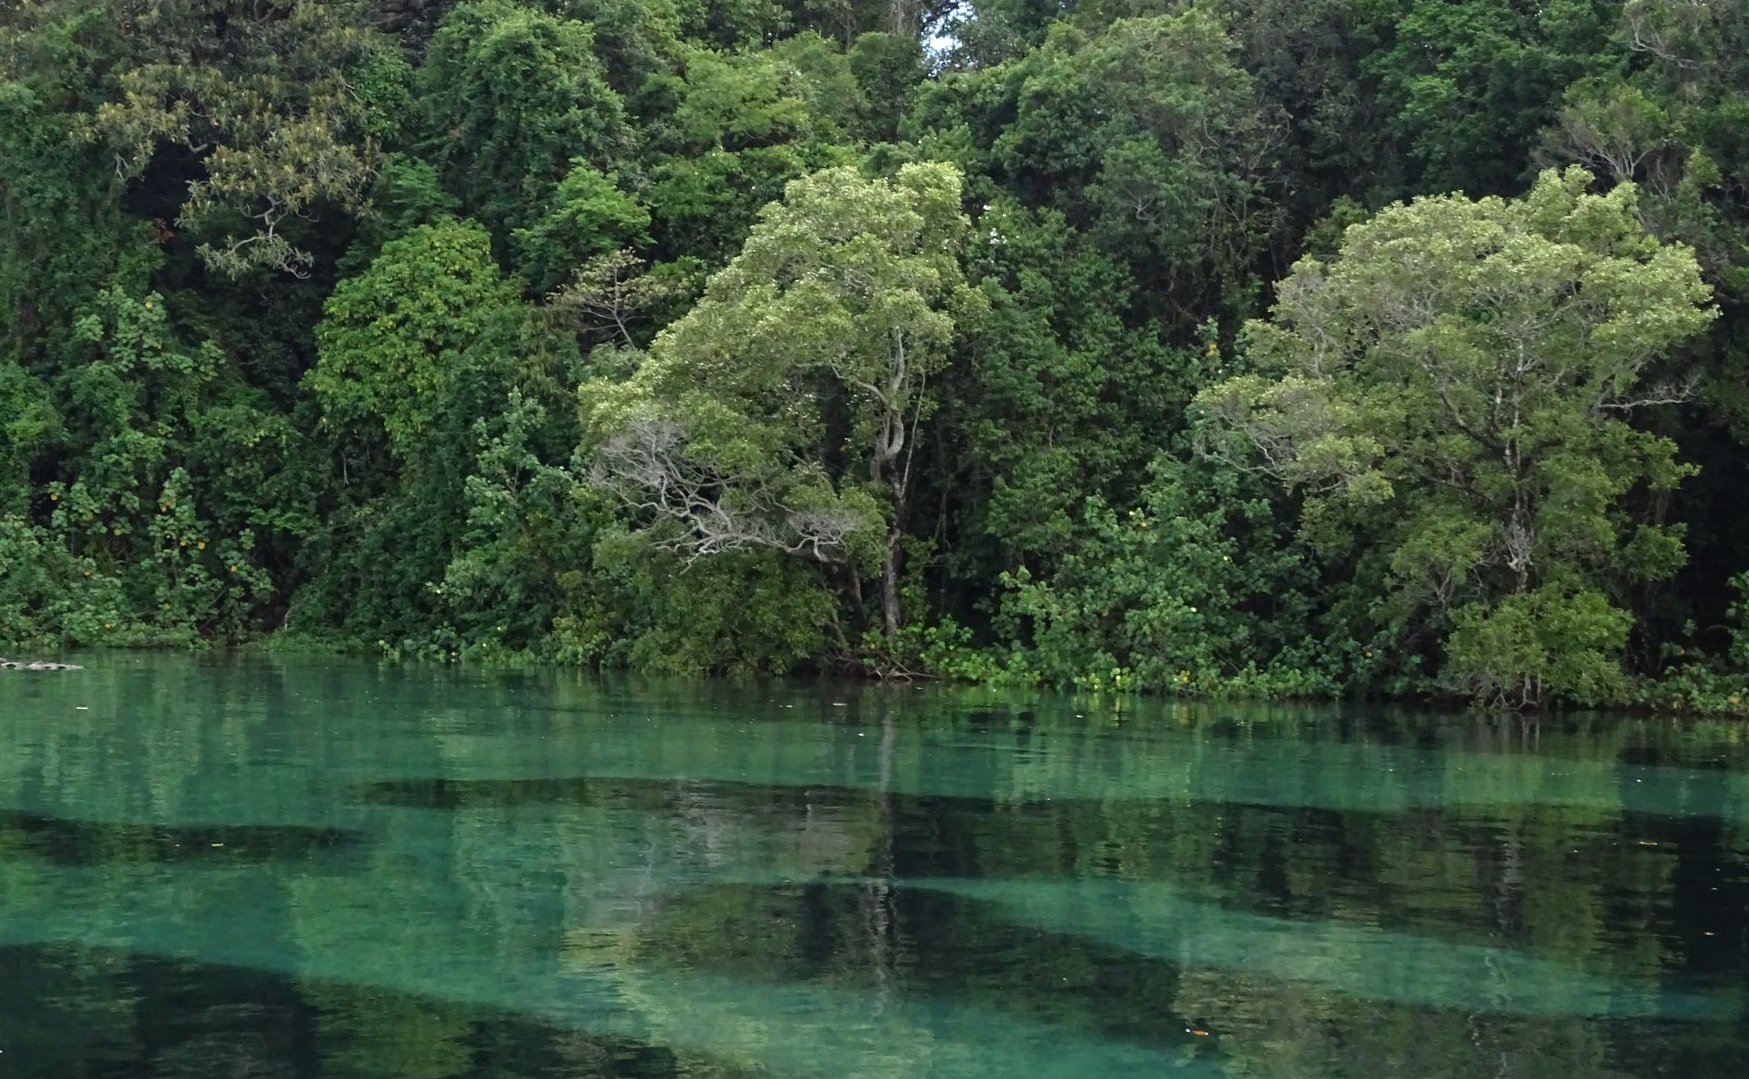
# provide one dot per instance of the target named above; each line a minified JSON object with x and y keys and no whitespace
{"x":216,"y":868}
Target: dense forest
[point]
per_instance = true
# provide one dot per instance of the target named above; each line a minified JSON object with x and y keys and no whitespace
{"x":1267,"y":347}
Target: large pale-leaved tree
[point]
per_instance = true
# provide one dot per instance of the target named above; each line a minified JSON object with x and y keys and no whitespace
{"x":785,"y":410}
{"x":1454,"y":393}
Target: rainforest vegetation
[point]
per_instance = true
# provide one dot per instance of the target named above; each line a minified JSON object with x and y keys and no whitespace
{"x":1268,"y":347}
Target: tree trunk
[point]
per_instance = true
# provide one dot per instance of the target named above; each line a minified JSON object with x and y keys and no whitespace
{"x":890,"y":583}
{"x":902,"y":18}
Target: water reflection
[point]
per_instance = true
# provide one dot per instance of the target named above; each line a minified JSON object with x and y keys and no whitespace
{"x":343,"y":870}
{"x":70,"y":841}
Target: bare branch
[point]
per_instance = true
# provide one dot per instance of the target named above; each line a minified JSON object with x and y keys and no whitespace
{"x":1664,"y":393}
{"x":610,"y":293}
{"x":1659,"y":27}
{"x":646,"y":466}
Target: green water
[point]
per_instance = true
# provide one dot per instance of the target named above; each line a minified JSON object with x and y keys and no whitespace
{"x":216,"y":868}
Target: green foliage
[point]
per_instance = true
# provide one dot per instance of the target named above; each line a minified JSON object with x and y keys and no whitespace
{"x":30,"y":422}
{"x":1197,"y":589}
{"x":1550,"y":642}
{"x":887,"y":69}
{"x":735,"y":101}
{"x":529,"y":528}
{"x":738,"y":127}
{"x":406,"y":193}
{"x":396,"y":340}
{"x":1468,"y":85}
{"x":892,"y":355}
{"x":705,"y":205}
{"x":262,"y":99}
{"x":587,"y":216}
{"x":63,"y":232}
{"x":432,"y":377}
{"x":1451,"y":388}
{"x":1715,"y":683}
{"x":49,"y":595}
{"x":1063,"y":399}
{"x":513,"y":96}
{"x":636,"y":39}
{"x":654,"y":611}
{"x":783,"y":410}
{"x":137,"y":547}
{"x":1111,"y":128}
{"x":1308,"y":58}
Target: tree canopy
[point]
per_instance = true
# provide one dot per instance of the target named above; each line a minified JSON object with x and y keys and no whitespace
{"x":785,"y":410}
{"x":1455,"y":386}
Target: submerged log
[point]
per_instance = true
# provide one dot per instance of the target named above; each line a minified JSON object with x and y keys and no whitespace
{"x":36,"y":665}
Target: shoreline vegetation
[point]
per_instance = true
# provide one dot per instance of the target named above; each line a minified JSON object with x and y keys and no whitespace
{"x":1238,"y":348}
{"x":1686,"y":693}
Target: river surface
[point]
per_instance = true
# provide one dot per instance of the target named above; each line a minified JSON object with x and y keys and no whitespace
{"x":222,"y":868}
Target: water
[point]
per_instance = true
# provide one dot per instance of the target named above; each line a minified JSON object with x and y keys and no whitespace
{"x":263,"y":869}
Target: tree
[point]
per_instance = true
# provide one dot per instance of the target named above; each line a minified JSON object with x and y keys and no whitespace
{"x":1153,"y":140}
{"x":1307,"y":57}
{"x":63,"y":233}
{"x":1198,"y":587}
{"x":610,"y":294}
{"x":426,"y":360}
{"x":741,"y":126}
{"x":514,"y":98}
{"x":813,"y":349}
{"x":888,"y":69}
{"x":1061,"y":404}
{"x":1453,"y":389}
{"x":587,"y":217}
{"x":270,"y":111}
{"x":165,"y":482}
{"x":396,"y":340}
{"x":1466,"y":85}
